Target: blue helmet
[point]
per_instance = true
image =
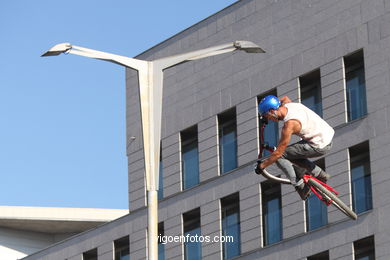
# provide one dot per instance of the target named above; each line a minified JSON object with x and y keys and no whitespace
{"x":268,"y":103}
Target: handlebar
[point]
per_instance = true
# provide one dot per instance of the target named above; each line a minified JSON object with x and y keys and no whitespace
{"x":269,"y":176}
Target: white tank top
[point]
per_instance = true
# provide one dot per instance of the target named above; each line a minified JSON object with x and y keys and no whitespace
{"x":314,"y":129}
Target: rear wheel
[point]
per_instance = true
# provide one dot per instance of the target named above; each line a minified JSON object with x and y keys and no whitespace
{"x":332,"y":197}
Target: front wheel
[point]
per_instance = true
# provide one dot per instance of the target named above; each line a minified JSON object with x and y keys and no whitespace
{"x":335,"y":200}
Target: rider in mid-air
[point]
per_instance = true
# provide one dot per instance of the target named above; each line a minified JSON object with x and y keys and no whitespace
{"x":292,"y":159}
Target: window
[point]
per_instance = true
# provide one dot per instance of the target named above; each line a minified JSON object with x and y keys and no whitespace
{"x":90,"y":255}
{"x":190,"y":157}
{"x":191,"y":226}
{"x":320,"y":256}
{"x":161,"y":246}
{"x":230,"y":210}
{"x":364,"y":249}
{"x":316,"y":210}
{"x":355,"y":85}
{"x":310,"y":86}
{"x":272,"y":212}
{"x":227,"y":141}
{"x":316,"y":213}
{"x":122,"y":248}
{"x":271,"y":132}
{"x":360,"y":178}
{"x":161,"y":178}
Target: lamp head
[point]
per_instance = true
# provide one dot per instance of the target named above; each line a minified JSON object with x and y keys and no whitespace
{"x":58,"y":49}
{"x":248,"y":47}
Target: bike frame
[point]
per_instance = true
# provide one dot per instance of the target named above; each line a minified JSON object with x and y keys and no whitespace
{"x":329,"y":188}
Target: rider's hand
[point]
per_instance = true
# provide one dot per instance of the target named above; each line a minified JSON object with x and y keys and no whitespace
{"x":258,"y":169}
{"x":263,"y":120}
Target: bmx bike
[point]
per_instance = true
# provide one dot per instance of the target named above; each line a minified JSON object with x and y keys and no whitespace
{"x":323,"y":191}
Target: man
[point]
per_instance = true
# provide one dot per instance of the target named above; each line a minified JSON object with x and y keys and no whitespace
{"x":316,"y":140}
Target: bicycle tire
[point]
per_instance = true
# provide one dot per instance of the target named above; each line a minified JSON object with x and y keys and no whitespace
{"x":335,"y":200}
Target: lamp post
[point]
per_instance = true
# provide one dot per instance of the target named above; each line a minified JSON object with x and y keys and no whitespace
{"x":150,"y":75}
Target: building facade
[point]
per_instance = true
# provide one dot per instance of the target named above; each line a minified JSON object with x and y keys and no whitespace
{"x":26,"y":230}
{"x":331,"y":55}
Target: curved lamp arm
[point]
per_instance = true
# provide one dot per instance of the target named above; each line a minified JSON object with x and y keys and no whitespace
{"x":81,"y":51}
{"x":246,"y":46}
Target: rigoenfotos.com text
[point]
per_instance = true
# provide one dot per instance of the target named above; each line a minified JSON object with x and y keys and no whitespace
{"x":195,"y":239}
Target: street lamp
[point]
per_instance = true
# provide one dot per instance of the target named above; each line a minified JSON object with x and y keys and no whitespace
{"x":150,"y":75}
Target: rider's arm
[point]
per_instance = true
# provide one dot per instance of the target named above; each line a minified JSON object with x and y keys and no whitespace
{"x":287,"y":131}
{"x":284,"y":100}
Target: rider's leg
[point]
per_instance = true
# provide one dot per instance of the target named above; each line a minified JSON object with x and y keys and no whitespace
{"x":287,"y":167}
{"x":312,"y":169}
{"x":294,"y":152}
{"x":309,"y":166}
{"x":299,"y":152}
{"x":294,"y":174}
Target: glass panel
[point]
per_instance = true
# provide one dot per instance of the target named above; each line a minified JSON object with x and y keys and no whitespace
{"x":273,"y":216}
{"x":190,"y":164}
{"x":191,"y":227}
{"x":364,"y":258}
{"x":272,"y":213}
{"x":122,"y":251}
{"x":320,"y":256}
{"x":310,"y":86}
{"x":356,"y":94}
{"x":361,"y":188}
{"x":123,"y":255}
{"x":192,"y":250}
{"x":231,"y":227}
{"x":271,"y":135}
{"x":365,"y":249}
{"x":161,"y":251}
{"x":161,"y":181}
{"x":90,"y":255}
{"x":161,"y":246}
{"x":316,"y":211}
{"x":228,"y":146}
{"x":271,"y":131}
{"x":312,"y":99}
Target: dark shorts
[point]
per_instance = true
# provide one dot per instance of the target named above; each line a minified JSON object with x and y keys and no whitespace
{"x":294,"y":161}
{"x":303,"y":150}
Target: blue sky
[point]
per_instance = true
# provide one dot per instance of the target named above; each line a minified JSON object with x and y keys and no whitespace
{"x":62,"y":134}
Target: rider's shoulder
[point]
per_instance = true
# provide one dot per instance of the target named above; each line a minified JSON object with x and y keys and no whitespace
{"x":292,"y":124}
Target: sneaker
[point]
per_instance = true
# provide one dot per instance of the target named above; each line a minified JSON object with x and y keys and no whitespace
{"x":323,"y":176}
{"x":303,"y":191}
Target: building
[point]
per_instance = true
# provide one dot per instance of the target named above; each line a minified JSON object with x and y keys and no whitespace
{"x":331,"y":55}
{"x":26,"y":230}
